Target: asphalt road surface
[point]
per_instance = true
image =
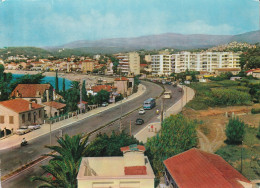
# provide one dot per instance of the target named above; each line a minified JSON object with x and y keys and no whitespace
{"x":16,"y":157}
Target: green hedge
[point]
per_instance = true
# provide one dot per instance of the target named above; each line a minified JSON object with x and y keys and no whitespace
{"x":230,"y":97}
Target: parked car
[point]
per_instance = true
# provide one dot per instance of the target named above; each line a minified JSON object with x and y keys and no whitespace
{"x":34,"y":127}
{"x":22,"y":130}
{"x":139,"y":121}
{"x":141,"y":111}
{"x":104,"y":104}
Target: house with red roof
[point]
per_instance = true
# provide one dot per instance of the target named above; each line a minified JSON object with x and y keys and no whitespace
{"x":95,"y":89}
{"x":196,"y":168}
{"x":132,"y":170}
{"x":53,"y":108}
{"x":37,"y":93}
{"x":19,"y":112}
{"x":254,"y":72}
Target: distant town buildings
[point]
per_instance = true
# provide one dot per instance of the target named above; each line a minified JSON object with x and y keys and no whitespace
{"x":204,"y":61}
{"x":132,"y":170}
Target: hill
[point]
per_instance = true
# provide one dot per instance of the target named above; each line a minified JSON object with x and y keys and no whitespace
{"x":169,"y":40}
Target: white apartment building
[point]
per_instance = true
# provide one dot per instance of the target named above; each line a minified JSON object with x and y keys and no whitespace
{"x":129,"y":63}
{"x":204,"y":61}
{"x":161,"y":64}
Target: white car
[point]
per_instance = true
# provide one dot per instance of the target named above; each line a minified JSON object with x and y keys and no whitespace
{"x":22,"y":130}
{"x":34,"y":127}
{"x":141,"y":111}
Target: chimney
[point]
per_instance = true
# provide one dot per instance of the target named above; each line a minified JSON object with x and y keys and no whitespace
{"x":30,"y":105}
{"x":48,"y":95}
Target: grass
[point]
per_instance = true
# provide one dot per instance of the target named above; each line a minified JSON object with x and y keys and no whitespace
{"x":208,"y":94}
{"x":250,"y":153}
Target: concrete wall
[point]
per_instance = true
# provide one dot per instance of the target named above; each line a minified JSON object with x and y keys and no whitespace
{"x":122,"y":86}
{"x":116,"y":183}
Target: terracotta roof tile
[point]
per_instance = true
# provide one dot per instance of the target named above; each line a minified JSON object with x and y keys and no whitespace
{"x":127,"y":148}
{"x":55,"y":104}
{"x":83,"y":102}
{"x":30,"y":90}
{"x":121,"y":79}
{"x":195,"y":168}
{"x":135,"y":170}
{"x":102,"y":87}
{"x":19,"y":105}
{"x":228,"y":69}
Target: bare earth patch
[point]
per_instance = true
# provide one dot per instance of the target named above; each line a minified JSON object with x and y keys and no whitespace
{"x":211,"y":131}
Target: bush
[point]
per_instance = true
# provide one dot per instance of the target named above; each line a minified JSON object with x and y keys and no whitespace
{"x":230,"y":97}
{"x":258,"y":132}
{"x":235,"y":131}
{"x":255,"y":110}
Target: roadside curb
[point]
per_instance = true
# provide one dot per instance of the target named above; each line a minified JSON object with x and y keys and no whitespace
{"x":42,"y":158}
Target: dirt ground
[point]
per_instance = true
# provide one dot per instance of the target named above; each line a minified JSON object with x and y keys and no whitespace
{"x":211,"y":131}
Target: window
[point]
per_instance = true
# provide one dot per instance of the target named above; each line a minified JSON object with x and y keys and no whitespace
{"x":29,"y":116}
{"x":11,"y":119}
{"x":23,"y":118}
{"x":2,"y":119}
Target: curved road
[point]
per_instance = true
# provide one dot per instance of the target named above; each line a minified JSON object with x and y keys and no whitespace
{"x":18,"y":156}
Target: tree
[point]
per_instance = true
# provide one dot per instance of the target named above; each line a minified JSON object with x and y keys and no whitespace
{"x":177,"y":135}
{"x":258,"y":132}
{"x":102,"y":96}
{"x":64,"y":165}
{"x":105,"y":145}
{"x":84,"y":92}
{"x":63,"y":85}
{"x":57,"y":82}
{"x":235,"y":131}
{"x":72,"y":97}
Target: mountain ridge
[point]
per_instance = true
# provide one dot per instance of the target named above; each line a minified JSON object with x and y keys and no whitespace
{"x":165,"y":40}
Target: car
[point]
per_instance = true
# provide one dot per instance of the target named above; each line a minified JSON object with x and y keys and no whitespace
{"x":141,"y":111}
{"x":34,"y":127}
{"x":22,"y":130}
{"x":104,"y":104}
{"x":139,"y":121}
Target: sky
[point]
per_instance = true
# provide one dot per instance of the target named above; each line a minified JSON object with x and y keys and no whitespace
{"x":56,"y":22}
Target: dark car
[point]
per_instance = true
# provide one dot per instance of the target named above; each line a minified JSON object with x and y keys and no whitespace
{"x":139,"y":121}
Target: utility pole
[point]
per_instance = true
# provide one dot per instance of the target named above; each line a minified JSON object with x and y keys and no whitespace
{"x":162,"y":110}
{"x":186,"y":94}
{"x":242,"y":157}
{"x":80,"y":104}
{"x":130,"y":129}
{"x":50,"y":132}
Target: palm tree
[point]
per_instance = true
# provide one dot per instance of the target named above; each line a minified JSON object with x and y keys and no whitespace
{"x":65,"y":163}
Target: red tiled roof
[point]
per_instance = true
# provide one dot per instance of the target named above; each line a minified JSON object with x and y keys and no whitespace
{"x":252,"y":70}
{"x":102,"y":87}
{"x":195,"y":168}
{"x":143,"y":65}
{"x":30,"y":90}
{"x":19,"y":105}
{"x":122,"y":79}
{"x":83,"y":102}
{"x":135,"y":170}
{"x":55,"y":104}
{"x":127,"y":148}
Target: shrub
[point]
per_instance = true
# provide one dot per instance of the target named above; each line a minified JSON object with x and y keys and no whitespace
{"x":235,"y":131}
{"x":258,"y":132}
{"x":230,"y":97}
{"x":255,"y":110}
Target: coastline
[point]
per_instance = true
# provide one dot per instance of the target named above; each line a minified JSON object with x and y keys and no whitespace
{"x":90,"y":79}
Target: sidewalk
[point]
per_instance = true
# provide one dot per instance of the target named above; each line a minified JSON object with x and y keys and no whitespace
{"x":15,"y":140}
{"x":148,"y":132}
